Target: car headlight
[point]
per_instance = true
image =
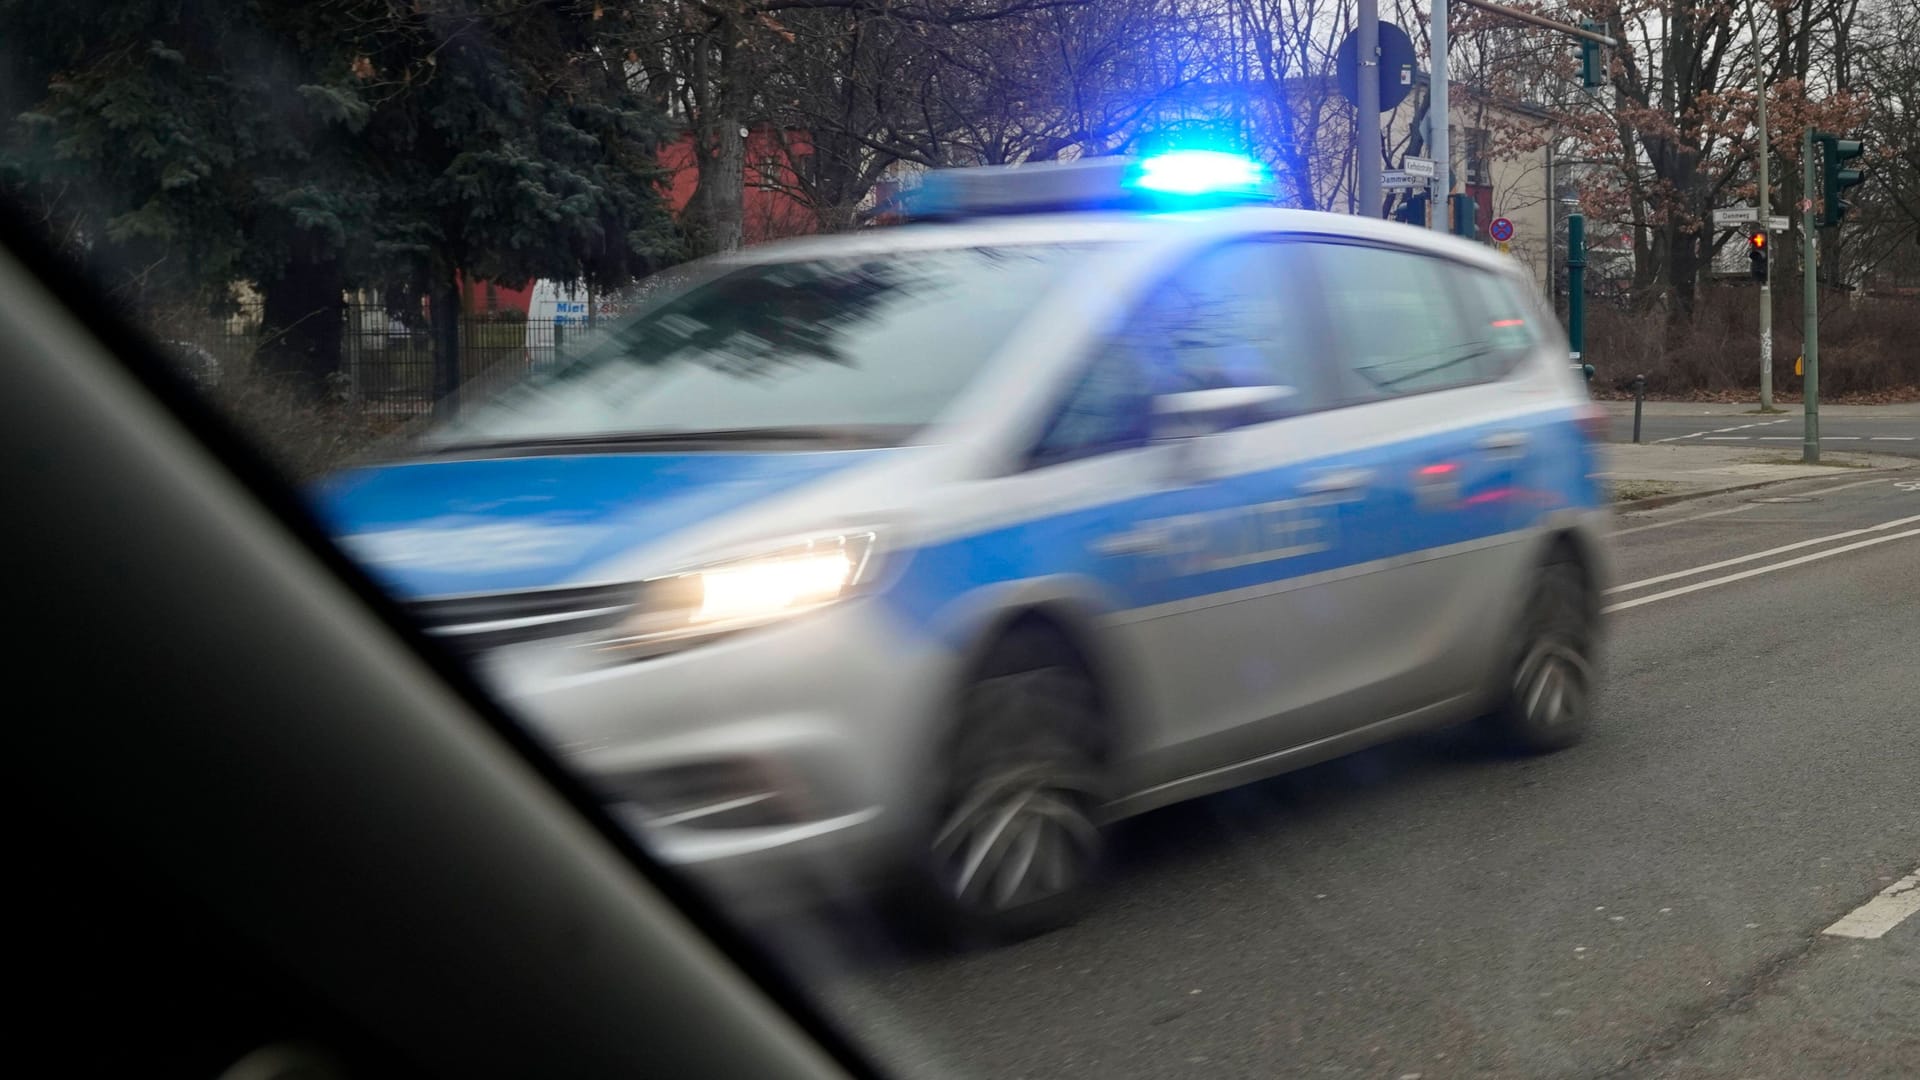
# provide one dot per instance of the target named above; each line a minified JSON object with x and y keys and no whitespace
{"x":735,"y":594}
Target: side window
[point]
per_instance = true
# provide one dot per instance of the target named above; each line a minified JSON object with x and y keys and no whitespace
{"x":1224,"y":319}
{"x":1502,"y":317}
{"x":1109,"y":408}
{"x":1399,"y":328}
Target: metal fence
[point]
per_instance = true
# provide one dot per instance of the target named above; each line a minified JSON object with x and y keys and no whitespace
{"x":387,"y":359}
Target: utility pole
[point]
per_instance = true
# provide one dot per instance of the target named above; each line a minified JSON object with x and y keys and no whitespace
{"x":1367,"y":124}
{"x":1576,"y":286}
{"x":1810,"y":445}
{"x":1766,"y":230}
{"x":1440,"y":203}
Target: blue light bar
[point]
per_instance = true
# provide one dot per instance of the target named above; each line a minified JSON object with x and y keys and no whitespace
{"x":1199,"y":172}
{"x":1179,"y":180}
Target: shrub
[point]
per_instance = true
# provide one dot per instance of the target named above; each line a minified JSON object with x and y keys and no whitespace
{"x":1867,"y":345}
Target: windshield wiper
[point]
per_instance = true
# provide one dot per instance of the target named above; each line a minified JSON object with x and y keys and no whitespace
{"x":844,"y":437}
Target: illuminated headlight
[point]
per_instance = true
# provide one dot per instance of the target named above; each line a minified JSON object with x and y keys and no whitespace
{"x":738,"y":593}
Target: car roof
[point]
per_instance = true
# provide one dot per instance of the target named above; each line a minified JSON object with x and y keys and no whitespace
{"x":1120,"y":227}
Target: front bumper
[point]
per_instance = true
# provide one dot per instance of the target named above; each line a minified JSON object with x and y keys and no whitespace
{"x":772,"y":765}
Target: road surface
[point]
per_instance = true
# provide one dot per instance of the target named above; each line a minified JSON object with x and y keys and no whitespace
{"x":1651,"y":903}
{"x":1879,"y":429}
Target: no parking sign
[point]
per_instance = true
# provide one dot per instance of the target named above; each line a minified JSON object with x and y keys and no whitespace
{"x":1500,"y":229}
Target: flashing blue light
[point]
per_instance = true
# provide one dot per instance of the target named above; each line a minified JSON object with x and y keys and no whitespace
{"x":1199,"y":172}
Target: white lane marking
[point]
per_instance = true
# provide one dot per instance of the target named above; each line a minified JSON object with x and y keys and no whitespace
{"x":1644,"y":582}
{"x":1908,"y":485}
{"x":1711,"y":432}
{"x":1682,"y":521}
{"x":1885,"y":911}
{"x":1780,"y":438}
{"x":1727,"y":438}
{"x":1839,"y":438}
{"x":1757,"y":571}
{"x":1892,"y":438}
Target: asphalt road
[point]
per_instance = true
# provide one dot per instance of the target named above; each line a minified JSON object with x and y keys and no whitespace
{"x":1648,"y":904}
{"x":1879,"y":429}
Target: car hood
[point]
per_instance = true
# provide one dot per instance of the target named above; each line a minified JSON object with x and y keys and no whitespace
{"x":441,"y":528}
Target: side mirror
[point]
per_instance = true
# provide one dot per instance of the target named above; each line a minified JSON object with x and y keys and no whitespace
{"x":1192,"y":413}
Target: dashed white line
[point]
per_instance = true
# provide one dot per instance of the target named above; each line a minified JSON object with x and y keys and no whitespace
{"x":1711,"y":432}
{"x":1644,"y":582}
{"x":1888,"y":908}
{"x":1726,"y":438}
{"x":1892,"y":438}
{"x":1758,"y":570}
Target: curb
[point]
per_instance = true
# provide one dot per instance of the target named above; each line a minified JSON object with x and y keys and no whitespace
{"x":1654,"y":502}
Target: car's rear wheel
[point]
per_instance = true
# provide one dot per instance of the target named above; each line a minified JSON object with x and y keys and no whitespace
{"x":1013,"y":845}
{"x":1546,"y":700}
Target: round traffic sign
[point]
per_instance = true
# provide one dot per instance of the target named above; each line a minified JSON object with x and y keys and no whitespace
{"x":1395,"y":66}
{"x":1500,"y":229}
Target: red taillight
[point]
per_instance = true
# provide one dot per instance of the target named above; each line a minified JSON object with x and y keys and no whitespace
{"x":1594,"y":422}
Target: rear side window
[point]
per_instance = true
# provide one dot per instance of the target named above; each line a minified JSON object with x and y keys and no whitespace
{"x":1504,"y":318}
{"x":1399,"y":324}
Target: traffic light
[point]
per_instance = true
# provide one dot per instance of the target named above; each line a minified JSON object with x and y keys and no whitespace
{"x":1463,"y":208}
{"x":1593,"y":69}
{"x":1412,"y":211}
{"x":1835,"y":151}
{"x":1757,"y":255}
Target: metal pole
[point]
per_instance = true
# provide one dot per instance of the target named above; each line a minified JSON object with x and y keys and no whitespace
{"x":1766,"y":230}
{"x":1810,"y":446}
{"x":1639,"y":399}
{"x":1576,"y":285}
{"x":1553,"y":227}
{"x":1531,"y":19}
{"x":1367,"y":123}
{"x":1440,"y":207}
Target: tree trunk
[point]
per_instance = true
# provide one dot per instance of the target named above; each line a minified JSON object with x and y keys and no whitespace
{"x":301,"y":325}
{"x":716,"y":211}
{"x":445,"y":315}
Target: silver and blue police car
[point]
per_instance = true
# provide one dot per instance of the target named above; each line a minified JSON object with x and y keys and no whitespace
{"x":917,"y":556}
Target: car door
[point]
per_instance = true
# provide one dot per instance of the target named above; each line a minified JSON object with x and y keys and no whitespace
{"x":1418,"y":351}
{"x":1196,"y":562}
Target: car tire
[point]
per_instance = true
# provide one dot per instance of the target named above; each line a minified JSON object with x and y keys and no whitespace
{"x":1012,"y":846}
{"x":1546,"y":697}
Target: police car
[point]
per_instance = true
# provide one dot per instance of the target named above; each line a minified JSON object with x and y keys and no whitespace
{"x":913,"y":558}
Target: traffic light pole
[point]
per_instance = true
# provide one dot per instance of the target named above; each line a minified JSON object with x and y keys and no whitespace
{"x":1810,"y":446}
{"x":1576,"y":285}
{"x":1442,"y":210}
{"x":1766,"y":230}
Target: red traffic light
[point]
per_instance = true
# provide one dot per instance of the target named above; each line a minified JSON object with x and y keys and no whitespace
{"x":1758,"y":241}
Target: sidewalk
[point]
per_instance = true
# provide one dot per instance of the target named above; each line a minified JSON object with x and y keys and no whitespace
{"x":1660,"y":473}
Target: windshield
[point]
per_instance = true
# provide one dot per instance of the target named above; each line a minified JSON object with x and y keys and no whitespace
{"x":871,"y":342}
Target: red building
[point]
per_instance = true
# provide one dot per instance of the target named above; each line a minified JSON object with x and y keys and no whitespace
{"x":770,"y":209}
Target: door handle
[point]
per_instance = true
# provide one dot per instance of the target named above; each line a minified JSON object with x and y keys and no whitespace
{"x":1510,"y":442}
{"x":1336,"y":481}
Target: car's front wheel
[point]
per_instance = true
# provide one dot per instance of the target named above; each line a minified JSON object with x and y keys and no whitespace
{"x":1014,"y":845}
{"x":1546,"y":700}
